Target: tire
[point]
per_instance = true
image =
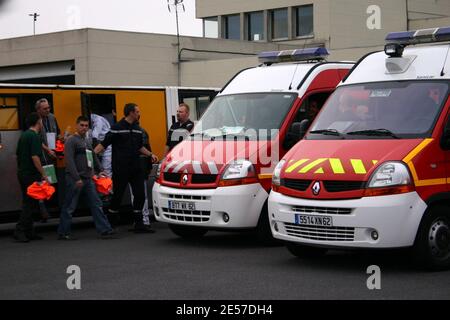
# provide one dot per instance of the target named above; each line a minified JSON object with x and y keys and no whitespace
{"x":301,"y":251}
{"x":432,"y":245}
{"x":263,"y":231}
{"x":188,"y":232}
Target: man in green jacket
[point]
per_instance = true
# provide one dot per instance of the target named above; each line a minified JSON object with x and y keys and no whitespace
{"x":29,"y":152}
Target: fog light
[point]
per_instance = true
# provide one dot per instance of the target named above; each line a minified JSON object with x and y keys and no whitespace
{"x":275,"y":226}
{"x":226,"y":217}
{"x":374,"y":235}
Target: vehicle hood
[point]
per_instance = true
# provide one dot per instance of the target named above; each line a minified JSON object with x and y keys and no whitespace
{"x":353,"y":160}
{"x":210,"y":157}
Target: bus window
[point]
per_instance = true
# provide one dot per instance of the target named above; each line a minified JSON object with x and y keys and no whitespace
{"x":9,"y":113}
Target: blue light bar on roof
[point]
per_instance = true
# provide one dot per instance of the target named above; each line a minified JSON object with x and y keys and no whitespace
{"x":443,"y":34}
{"x":293,"y":55}
{"x":420,"y":36}
{"x":400,"y":36}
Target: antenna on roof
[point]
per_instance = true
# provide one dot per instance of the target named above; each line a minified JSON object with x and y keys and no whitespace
{"x":34,"y":15}
{"x":177,"y":4}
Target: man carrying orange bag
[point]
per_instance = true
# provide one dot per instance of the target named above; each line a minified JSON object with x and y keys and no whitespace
{"x":29,"y":151}
{"x":80,"y":164}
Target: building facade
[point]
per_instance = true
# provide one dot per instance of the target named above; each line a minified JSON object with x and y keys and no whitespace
{"x":234,"y":32}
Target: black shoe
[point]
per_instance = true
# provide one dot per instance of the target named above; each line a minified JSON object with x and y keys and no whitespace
{"x":35,"y":237}
{"x":142,"y":228}
{"x":21,"y":238}
{"x":66,"y":237}
{"x":111,"y":234}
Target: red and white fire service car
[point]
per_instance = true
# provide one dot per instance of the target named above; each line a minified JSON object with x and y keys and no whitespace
{"x":373,"y":170}
{"x":220,"y":177}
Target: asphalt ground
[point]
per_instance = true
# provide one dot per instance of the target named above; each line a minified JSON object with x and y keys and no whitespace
{"x":222,"y":266}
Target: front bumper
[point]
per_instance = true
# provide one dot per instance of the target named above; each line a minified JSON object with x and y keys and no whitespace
{"x":242,"y":204}
{"x":395,"y":218}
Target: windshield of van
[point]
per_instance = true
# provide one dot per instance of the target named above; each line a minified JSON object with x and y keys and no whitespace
{"x":252,"y":116}
{"x":383,"y":110}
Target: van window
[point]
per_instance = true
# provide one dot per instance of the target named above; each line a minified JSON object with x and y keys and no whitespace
{"x":252,"y":115}
{"x":407,"y":109}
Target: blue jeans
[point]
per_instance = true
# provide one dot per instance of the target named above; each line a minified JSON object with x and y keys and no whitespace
{"x":71,"y":202}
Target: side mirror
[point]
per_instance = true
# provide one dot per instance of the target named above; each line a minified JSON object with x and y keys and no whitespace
{"x":445,"y":140}
{"x":304,"y":126}
{"x":295,"y":133}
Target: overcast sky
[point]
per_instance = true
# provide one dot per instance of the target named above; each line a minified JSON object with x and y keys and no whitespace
{"x":131,"y":15}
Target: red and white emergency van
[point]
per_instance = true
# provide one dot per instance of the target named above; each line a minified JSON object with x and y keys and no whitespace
{"x":373,"y":170}
{"x":220,"y":177}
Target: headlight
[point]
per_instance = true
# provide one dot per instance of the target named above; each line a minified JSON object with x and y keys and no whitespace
{"x":158,"y":170}
{"x":390,"y":174}
{"x":239,"y":169}
{"x":276,"y":180}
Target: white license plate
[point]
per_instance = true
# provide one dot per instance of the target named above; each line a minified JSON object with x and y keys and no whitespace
{"x":181,"y":205}
{"x":323,"y":221}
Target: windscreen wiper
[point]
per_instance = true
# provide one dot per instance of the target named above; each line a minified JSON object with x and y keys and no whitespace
{"x":374,"y":132}
{"x":328,"y":132}
{"x":201,"y":134}
{"x":235,"y":136}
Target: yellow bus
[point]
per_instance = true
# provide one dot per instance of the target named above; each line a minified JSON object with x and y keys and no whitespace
{"x":157,"y":104}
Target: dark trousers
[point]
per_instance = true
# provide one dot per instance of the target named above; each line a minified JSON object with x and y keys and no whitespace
{"x":29,"y":206}
{"x":70,"y":205}
{"x":121,"y":179}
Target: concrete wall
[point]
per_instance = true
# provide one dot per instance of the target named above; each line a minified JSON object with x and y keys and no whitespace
{"x":124,"y":58}
{"x":349,"y":23}
{"x":104,"y":57}
{"x":429,"y":23}
{"x":213,"y":73}
{"x":60,"y":46}
{"x":426,"y":9}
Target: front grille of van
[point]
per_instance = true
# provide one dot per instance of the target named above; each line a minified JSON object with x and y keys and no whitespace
{"x":320,"y":233}
{"x":341,"y":186}
{"x":299,"y":185}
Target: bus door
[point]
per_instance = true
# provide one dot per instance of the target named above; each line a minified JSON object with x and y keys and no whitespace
{"x":100,"y":104}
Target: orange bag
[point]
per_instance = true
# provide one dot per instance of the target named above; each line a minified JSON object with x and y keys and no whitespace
{"x":59,"y":146}
{"x":103,"y":184}
{"x":41,"y":190}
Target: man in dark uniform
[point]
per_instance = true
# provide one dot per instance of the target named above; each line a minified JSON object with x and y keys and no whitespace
{"x":127,"y":146}
{"x":180,"y":129}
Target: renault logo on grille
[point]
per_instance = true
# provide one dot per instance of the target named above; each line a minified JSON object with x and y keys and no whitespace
{"x":184,"y":179}
{"x":316,"y":188}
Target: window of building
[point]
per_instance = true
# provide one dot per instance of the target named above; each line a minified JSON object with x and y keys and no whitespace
{"x":211,"y":27}
{"x":255,"y":26}
{"x":279,"y":23}
{"x":9,"y":113}
{"x":232,"y":27}
{"x":304,"y":21}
